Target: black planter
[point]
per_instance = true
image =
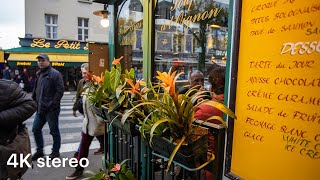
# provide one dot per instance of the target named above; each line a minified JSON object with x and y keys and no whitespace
{"x":127,"y":127}
{"x":191,"y":155}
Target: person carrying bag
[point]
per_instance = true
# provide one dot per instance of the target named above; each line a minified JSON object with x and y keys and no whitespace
{"x":15,"y":107}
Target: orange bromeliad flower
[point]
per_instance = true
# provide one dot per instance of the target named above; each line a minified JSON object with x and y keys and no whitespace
{"x":117,"y":61}
{"x":134,"y":88}
{"x":169,"y":81}
{"x":98,"y":79}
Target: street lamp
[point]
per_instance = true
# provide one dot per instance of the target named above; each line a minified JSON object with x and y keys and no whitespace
{"x":104,"y":14}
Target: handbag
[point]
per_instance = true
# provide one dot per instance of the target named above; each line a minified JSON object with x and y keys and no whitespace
{"x":20,"y":145}
{"x":80,"y":105}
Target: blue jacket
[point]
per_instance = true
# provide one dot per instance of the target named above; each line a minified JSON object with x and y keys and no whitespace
{"x":50,"y":92}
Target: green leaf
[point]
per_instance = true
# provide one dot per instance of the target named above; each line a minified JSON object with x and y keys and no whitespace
{"x":175,"y":150}
{"x":122,"y":177}
{"x":112,"y":175}
{"x":221,"y":107}
{"x":157,"y":124}
{"x":121,"y":99}
{"x":129,"y":175}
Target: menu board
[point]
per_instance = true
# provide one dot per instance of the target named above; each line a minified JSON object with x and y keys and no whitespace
{"x":277,"y":133}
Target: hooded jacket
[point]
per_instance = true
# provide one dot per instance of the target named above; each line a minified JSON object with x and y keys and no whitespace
{"x":15,"y":107}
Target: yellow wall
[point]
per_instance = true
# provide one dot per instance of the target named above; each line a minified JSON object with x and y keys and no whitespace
{"x":278,"y":138}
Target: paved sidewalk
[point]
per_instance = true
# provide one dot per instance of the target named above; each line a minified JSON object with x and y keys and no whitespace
{"x":60,"y":173}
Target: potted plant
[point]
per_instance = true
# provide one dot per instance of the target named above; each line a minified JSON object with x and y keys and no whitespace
{"x":169,"y":115}
{"x":113,"y":92}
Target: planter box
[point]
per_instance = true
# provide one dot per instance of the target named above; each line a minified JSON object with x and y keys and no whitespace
{"x":191,"y":155}
{"x":128,"y":127}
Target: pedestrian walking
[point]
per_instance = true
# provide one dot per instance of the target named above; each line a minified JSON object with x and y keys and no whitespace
{"x":92,"y":127}
{"x":47,"y":93}
{"x":78,"y":104}
{"x":6,"y":73}
{"x":15,"y":107}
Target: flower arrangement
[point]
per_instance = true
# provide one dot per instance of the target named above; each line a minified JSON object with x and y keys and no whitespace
{"x":158,"y":108}
{"x":113,"y":89}
{"x":170,"y":114}
{"x":115,"y":172}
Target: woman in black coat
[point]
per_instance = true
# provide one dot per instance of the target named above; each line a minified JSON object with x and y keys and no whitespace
{"x":15,"y":107}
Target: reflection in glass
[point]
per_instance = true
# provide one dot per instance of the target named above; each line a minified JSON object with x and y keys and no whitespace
{"x":130,"y":34}
{"x":190,"y":35}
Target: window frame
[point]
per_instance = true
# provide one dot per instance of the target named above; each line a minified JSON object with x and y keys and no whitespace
{"x":83,"y":28}
{"x":51,"y":26}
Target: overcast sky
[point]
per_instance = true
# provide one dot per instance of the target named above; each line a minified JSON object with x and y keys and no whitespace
{"x":11,"y":23}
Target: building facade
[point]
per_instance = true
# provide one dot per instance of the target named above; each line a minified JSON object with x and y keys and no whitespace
{"x":63,"y":30}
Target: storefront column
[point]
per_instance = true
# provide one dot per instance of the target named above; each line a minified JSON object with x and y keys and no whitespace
{"x":112,"y":34}
{"x":148,"y":39}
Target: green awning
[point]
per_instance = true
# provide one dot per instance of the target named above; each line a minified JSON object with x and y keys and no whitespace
{"x":46,"y":50}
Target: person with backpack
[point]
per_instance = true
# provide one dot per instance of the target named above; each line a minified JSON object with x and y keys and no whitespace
{"x":15,"y":107}
{"x":92,"y":126}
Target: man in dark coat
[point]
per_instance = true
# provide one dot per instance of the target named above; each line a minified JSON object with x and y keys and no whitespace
{"x":15,"y":107}
{"x":47,"y":92}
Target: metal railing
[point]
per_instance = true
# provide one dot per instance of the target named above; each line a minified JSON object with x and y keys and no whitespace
{"x":146,"y":164}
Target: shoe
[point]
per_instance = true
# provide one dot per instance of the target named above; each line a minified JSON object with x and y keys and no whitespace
{"x":100,"y":151}
{"x":76,"y":154}
{"x":54,"y":155}
{"x":37,"y":155}
{"x":75,"y":174}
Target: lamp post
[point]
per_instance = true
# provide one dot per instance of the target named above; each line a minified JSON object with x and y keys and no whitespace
{"x":104,"y":14}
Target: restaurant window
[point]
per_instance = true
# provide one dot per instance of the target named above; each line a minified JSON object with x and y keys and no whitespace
{"x":190,"y":35}
{"x":83,"y":29}
{"x":51,"y":24}
{"x":130,"y":35}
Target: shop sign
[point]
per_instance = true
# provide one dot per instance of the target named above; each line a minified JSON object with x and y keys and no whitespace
{"x":45,"y":43}
{"x":23,"y":63}
{"x":185,"y":19}
{"x":60,"y":64}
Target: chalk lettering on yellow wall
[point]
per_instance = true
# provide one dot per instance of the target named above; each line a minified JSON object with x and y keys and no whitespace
{"x":301,"y":47}
{"x":311,"y":31}
{"x":260,"y":64}
{"x":23,"y":63}
{"x":306,"y":117}
{"x":254,"y":136}
{"x":304,"y":82}
{"x":314,"y":8}
{"x":185,"y":19}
